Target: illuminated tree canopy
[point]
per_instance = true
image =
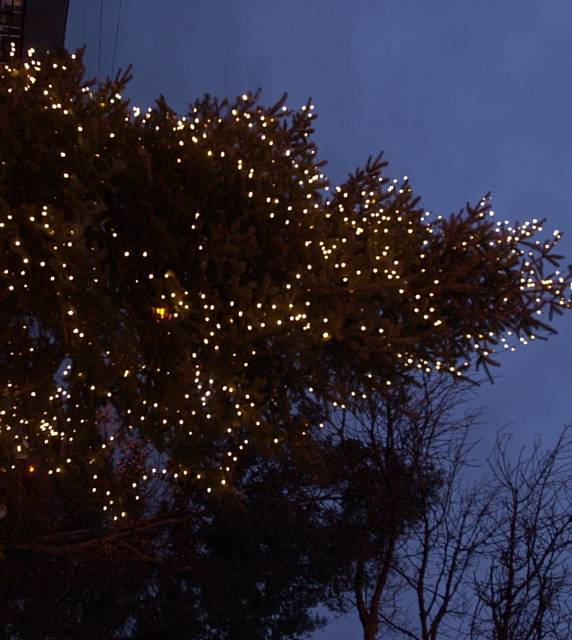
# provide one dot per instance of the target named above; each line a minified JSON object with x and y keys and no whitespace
{"x":183,"y":286}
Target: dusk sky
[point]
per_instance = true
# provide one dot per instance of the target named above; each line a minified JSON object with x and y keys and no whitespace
{"x":463,"y":96}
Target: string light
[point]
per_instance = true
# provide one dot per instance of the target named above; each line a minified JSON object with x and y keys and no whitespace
{"x":324,"y":276}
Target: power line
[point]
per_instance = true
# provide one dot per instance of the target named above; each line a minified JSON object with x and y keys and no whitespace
{"x":99,"y":48}
{"x":116,"y":38}
{"x":83,"y":22}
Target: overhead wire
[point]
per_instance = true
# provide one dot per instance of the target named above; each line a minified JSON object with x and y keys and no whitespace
{"x":116,"y":37}
{"x":83,"y":21}
{"x":99,"y":47}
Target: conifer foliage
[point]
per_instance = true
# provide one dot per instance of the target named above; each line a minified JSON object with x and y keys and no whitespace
{"x":175,"y":289}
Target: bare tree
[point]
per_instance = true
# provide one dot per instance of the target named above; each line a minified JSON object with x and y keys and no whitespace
{"x":403,"y":457}
{"x":491,"y":558}
{"x":523,"y":590}
{"x":437,"y":557}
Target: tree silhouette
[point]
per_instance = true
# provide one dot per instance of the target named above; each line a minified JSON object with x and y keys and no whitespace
{"x":490,"y":556}
{"x":184,"y":299}
{"x":525,"y":589}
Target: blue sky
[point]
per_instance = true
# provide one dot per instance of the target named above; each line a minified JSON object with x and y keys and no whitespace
{"x":463,"y":96}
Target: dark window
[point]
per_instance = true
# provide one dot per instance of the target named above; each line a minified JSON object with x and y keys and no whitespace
{"x":11,"y":12}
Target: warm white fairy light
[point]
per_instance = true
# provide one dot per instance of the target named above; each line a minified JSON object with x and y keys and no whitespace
{"x":351,"y":241}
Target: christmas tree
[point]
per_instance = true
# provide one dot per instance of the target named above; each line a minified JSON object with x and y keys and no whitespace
{"x":177,"y":289}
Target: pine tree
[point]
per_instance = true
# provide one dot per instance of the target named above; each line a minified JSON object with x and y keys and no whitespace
{"x":178,"y":290}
